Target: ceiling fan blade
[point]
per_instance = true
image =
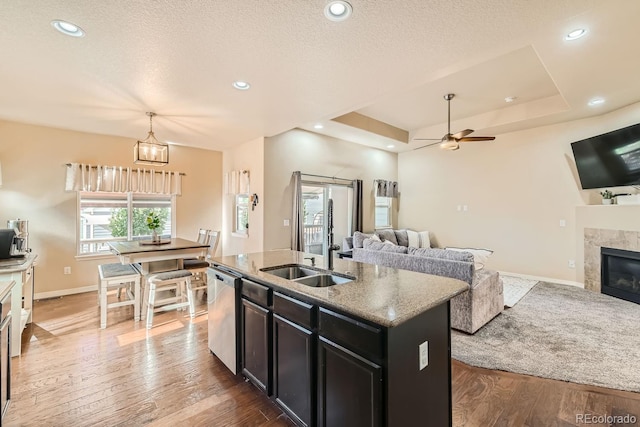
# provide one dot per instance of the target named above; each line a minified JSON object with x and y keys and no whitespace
{"x":428,"y":145}
{"x":462,"y":133}
{"x":476,"y":138}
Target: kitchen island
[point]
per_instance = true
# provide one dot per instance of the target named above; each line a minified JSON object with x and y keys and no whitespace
{"x":374,"y":351}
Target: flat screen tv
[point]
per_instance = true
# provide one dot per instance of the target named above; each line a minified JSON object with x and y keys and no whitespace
{"x":609,"y":160}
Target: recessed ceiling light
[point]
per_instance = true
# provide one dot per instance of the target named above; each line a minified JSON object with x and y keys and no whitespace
{"x":67,"y":28}
{"x":575,"y":34}
{"x":240,"y":85}
{"x":510,"y":98}
{"x":595,"y":102}
{"x":338,"y":10}
{"x":390,"y":146}
{"x":318,"y":126}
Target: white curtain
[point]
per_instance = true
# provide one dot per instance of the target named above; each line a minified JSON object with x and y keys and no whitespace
{"x":118,"y":179}
{"x":385,"y":188}
{"x":236,"y":182}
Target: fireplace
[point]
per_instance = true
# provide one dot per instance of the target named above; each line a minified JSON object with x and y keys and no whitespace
{"x":620,"y":274}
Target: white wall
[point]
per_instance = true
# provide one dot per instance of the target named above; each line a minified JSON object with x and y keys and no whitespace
{"x":311,"y":153}
{"x":517,"y":190}
{"x":33,"y":171}
{"x":248,"y":156}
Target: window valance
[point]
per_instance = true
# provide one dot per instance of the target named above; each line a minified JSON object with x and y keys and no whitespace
{"x":385,"y":188}
{"x":119,"y":179}
{"x":236,"y":182}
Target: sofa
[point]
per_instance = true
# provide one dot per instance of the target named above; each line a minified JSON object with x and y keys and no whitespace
{"x":470,"y":310}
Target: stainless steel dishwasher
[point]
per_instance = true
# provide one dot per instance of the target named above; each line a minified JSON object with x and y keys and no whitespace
{"x":222,"y":301}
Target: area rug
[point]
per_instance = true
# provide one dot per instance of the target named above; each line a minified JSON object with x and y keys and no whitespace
{"x":560,"y":332}
{"x":515,"y":288}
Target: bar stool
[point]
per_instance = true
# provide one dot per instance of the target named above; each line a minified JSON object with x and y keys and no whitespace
{"x":199,"y":266}
{"x":120,"y":276}
{"x":176,"y":280}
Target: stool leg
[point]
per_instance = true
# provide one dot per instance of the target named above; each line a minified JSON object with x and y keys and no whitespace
{"x":103,"y":305}
{"x":136,"y":300}
{"x":190,"y":298}
{"x":152,"y":297}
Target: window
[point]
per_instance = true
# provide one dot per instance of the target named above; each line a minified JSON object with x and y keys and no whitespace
{"x":242,"y":214}
{"x":383,"y":212}
{"x":105,"y":217}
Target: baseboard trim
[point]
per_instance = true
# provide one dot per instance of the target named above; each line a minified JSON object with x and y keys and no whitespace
{"x":545,"y":279}
{"x":63,"y":292}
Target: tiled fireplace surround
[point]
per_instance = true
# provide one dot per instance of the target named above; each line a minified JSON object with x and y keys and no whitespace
{"x":594,"y":239}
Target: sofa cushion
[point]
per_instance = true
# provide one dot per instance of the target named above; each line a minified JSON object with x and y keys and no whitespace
{"x":358,"y":238}
{"x":480,"y":256}
{"x":402,"y":237}
{"x":387,"y":234}
{"x":418,"y":239}
{"x":372,"y":245}
{"x":441,"y":254}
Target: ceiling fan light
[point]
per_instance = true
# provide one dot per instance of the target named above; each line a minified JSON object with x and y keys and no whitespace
{"x":449,"y":143}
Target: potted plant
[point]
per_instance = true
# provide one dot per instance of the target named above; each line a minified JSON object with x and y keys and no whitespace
{"x":153,"y":223}
{"x":607,"y":197}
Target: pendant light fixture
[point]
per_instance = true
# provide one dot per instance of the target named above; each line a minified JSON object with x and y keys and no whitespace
{"x":151,"y":151}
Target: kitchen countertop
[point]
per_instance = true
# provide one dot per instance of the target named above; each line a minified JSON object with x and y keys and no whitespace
{"x":12,"y":265}
{"x":383,"y":295}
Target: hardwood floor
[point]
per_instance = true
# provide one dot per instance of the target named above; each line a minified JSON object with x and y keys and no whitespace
{"x":72,"y":373}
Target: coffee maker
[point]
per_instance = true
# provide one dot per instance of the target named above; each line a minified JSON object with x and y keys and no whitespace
{"x":20,"y":244}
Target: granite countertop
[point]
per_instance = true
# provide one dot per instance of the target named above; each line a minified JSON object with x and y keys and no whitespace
{"x":385,"y":296}
{"x":12,"y":265}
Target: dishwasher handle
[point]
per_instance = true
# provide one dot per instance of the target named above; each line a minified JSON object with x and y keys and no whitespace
{"x":224,"y":277}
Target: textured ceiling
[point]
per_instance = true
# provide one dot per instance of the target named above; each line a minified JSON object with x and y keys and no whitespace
{"x":392,"y":60}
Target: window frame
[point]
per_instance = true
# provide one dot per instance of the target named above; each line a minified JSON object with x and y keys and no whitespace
{"x":237,"y":205}
{"x":129,"y":200}
{"x":383,"y":202}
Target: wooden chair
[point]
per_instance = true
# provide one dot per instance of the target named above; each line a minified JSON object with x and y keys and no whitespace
{"x":177,"y":284}
{"x":199,"y":266}
{"x":119,"y":276}
{"x":203,"y":236}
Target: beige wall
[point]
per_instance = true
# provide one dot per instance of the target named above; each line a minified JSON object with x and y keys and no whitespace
{"x":311,"y":153}
{"x":248,"y":156}
{"x":33,"y":174}
{"x":517,"y":189}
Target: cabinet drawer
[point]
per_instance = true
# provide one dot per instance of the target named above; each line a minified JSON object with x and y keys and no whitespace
{"x":255,"y":292}
{"x":357,"y":336}
{"x":291,"y":309}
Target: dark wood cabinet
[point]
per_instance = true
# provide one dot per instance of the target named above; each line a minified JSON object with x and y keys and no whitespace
{"x":256,"y":344}
{"x":349,"y":388}
{"x":293,"y":370}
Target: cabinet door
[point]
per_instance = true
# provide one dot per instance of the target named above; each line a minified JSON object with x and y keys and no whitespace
{"x":293,"y":370}
{"x":256,"y":344}
{"x":349,"y":388}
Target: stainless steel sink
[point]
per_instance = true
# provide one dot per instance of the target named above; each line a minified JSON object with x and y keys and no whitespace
{"x":322,"y":280}
{"x":292,"y":271}
{"x":309,"y":276}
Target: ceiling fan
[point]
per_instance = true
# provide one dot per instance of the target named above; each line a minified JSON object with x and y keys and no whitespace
{"x":451,"y":141}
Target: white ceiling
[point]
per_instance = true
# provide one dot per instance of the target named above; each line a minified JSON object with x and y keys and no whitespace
{"x":393,"y":60}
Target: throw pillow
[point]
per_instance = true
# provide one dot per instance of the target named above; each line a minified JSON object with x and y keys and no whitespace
{"x":375,"y":238}
{"x":441,"y":254}
{"x":387,"y":234}
{"x":402,"y":237}
{"x":373,"y":245}
{"x":418,"y":239}
{"x":358,"y":238}
{"x":480,"y":256}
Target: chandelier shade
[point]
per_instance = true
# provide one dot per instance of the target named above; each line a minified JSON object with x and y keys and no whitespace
{"x":150,"y":151}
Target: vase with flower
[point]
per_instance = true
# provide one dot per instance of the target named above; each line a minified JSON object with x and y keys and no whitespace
{"x":153,"y":223}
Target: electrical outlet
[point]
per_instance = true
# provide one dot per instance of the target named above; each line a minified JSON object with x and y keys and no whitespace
{"x":286,"y":222}
{"x":563,"y":223}
{"x":67,"y":270}
{"x":423,"y":351}
{"x":571,"y":263}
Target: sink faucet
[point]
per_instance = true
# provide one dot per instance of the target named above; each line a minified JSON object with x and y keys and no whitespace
{"x":312,"y":259}
{"x":330,"y":245}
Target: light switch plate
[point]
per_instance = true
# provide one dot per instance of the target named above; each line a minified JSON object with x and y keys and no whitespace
{"x":423,"y":351}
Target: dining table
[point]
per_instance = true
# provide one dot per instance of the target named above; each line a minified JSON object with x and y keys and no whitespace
{"x":155,"y":257}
